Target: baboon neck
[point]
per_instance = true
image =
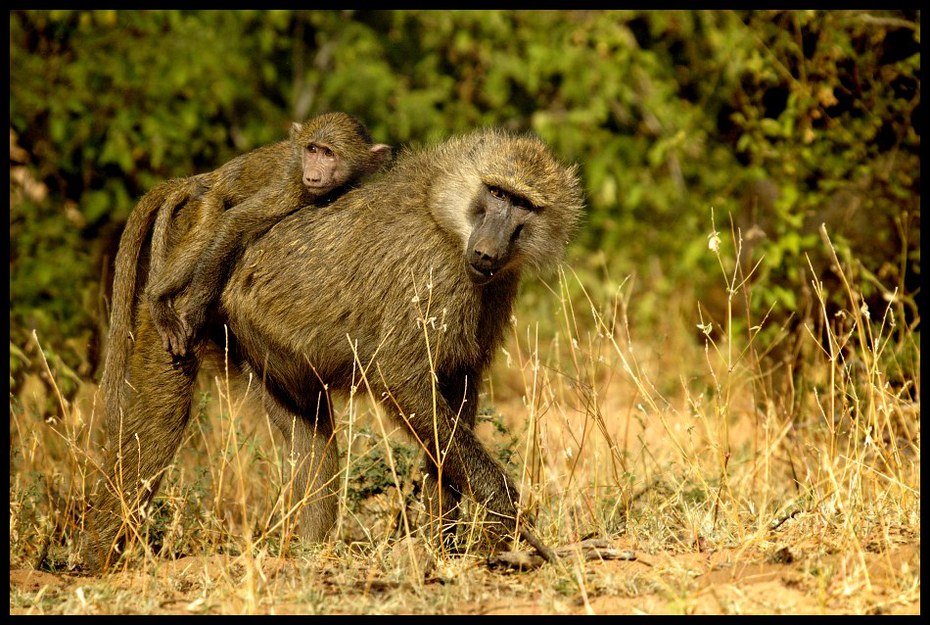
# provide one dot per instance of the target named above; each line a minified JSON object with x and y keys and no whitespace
{"x":497,"y":299}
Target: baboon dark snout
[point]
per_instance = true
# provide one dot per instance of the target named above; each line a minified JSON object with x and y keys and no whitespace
{"x":484,"y":260}
{"x":490,"y":244}
{"x":486,"y":257}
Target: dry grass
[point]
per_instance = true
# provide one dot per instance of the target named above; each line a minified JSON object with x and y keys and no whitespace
{"x":742,"y":486}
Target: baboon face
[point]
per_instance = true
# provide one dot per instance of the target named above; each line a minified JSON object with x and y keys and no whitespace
{"x":323,"y":169}
{"x":498,"y":220}
{"x":335,"y":150}
{"x":509,"y":202}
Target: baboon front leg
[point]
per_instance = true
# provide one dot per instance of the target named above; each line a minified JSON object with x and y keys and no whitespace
{"x":440,"y":499}
{"x":463,"y":463}
{"x":311,"y":461}
{"x":141,"y":441}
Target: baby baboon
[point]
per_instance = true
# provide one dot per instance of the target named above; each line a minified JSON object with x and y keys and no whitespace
{"x":404,"y":285}
{"x":242,"y":199}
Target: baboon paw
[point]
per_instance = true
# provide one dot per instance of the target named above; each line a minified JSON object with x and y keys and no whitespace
{"x":168,"y":341}
{"x":174,"y":339}
{"x":170,"y":330}
{"x":178,"y":346}
{"x":184,"y":340}
{"x":188,"y":328}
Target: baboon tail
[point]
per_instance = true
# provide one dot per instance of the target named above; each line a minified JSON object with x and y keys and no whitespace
{"x":126,"y":290}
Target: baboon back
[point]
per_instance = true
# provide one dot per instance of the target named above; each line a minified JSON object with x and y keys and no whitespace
{"x":379,"y":280}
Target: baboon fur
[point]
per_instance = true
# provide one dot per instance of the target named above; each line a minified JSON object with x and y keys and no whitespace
{"x":319,"y":161}
{"x":130,"y":275}
{"x":204,"y":198}
{"x":404,"y":286}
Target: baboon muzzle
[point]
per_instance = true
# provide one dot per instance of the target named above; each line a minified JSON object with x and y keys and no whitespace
{"x":489,"y":246}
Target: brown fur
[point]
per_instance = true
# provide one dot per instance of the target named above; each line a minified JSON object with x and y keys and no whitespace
{"x":416,"y":273}
{"x":245,"y":197}
{"x":128,"y":279}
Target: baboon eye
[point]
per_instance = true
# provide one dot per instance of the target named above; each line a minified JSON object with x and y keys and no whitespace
{"x":498,"y":193}
{"x":312,"y":148}
{"x":328,"y":153}
{"x":524,"y":204}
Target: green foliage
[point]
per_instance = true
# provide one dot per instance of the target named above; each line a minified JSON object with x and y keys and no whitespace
{"x":371,"y":472}
{"x":507,"y":444}
{"x":828,"y":115}
{"x":782,"y":119}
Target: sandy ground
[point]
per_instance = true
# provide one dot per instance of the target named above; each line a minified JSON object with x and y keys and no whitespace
{"x":713,"y":582}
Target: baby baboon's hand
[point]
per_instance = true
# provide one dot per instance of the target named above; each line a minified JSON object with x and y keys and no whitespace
{"x":192,"y":319}
{"x":171,"y":328}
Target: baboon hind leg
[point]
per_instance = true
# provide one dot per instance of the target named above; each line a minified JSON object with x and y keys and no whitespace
{"x":141,"y":442}
{"x":175,"y":257}
{"x":311,"y":463}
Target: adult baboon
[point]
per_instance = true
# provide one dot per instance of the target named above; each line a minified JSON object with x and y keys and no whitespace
{"x":404,"y":285}
{"x":242,"y":199}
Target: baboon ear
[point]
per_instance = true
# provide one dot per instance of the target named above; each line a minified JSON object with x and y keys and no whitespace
{"x":380,"y":154}
{"x":296,"y":128}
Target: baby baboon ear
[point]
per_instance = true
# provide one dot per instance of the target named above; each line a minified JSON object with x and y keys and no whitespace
{"x":296,"y":127}
{"x":380,"y":155}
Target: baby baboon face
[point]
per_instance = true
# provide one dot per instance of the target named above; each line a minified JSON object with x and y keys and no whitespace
{"x":323,"y":169}
{"x":335,"y":151}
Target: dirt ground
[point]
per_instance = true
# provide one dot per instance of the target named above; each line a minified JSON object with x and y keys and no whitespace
{"x":720,"y":581}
